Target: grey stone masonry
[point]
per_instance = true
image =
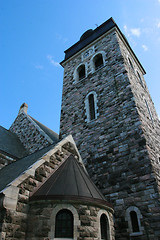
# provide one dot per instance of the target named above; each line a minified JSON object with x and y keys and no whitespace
{"x":30,"y":134}
{"x":86,"y":220}
{"x":121,"y":147}
{"x":14,"y":204}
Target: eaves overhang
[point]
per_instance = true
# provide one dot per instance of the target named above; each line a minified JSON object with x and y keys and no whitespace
{"x":95,"y":34}
{"x":73,"y":200}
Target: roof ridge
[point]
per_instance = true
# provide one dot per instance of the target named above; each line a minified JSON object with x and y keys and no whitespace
{"x":84,"y":179}
{"x":69,"y":179}
{"x":58,"y":170}
{"x":49,"y":176}
{"x":93,"y":184}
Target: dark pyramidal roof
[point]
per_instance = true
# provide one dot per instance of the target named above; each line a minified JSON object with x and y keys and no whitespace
{"x":69,"y":182}
{"x":10,"y":144}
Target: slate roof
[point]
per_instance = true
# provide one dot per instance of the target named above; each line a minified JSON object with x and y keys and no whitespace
{"x":69,"y":182}
{"x":15,"y":169}
{"x":54,"y":136}
{"x":10,"y":144}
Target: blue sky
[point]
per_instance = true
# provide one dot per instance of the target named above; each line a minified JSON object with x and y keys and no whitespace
{"x":35,"y":33}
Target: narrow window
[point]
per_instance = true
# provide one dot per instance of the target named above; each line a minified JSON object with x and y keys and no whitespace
{"x":133,"y":217}
{"x":81,"y":72}
{"x":64,"y":224}
{"x":104,"y":227}
{"x":130,"y":63}
{"x":91,"y":106}
{"x":98,"y":61}
{"x":134,"y":221}
{"x":140,"y":79}
{"x":150,"y":114}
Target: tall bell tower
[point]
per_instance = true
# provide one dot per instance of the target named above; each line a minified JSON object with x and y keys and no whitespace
{"x":107,"y":108}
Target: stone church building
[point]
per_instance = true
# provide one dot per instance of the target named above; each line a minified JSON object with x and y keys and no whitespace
{"x":100,"y":177}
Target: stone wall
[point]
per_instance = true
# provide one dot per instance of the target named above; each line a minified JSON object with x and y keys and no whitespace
{"x":30,"y":134}
{"x":147,"y":113}
{"x":120,"y":147}
{"x":13,"y":222}
{"x":86,"y":220}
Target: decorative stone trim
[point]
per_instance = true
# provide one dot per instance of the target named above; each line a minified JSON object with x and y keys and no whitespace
{"x":76,"y":221}
{"x":13,"y":186}
{"x":87,"y":113}
{"x":128,"y":219}
{"x":2,"y":235}
{"x":11,"y":197}
{"x":87,"y":53}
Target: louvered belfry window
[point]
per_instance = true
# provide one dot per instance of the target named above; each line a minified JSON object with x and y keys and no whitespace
{"x":64,"y":224}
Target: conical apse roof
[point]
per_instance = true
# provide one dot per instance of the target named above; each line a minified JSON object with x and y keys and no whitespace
{"x":69,"y":182}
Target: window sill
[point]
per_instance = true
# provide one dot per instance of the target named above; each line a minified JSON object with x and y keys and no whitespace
{"x":136,"y":234}
{"x":97,"y":69}
{"x":63,"y":238}
{"x":79,"y":81}
{"x":91,"y":121}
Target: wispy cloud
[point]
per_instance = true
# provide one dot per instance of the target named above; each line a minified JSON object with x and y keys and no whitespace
{"x":61,"y":38}
{"x":158,"y":24}
{"x":136,"y":32}
{"x":129,"y":35}
{"x":145,"y":48}
{"x":51,"y":60}
{"x":132,"y":31}
{"x":126,"y":30}
{"x":38,"y":66}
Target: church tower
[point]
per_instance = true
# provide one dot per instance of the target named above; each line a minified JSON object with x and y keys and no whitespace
{"x":107,"y":108}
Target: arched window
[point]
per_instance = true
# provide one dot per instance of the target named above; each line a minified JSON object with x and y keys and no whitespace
{"x":134,"y":221}
{"x":91,"y":106}
{"x":104,"y":227}
{"x":133,"y":217}
{"x":64,"y":224}
{"x":81,"y":72}
{"x":98,"y":61}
